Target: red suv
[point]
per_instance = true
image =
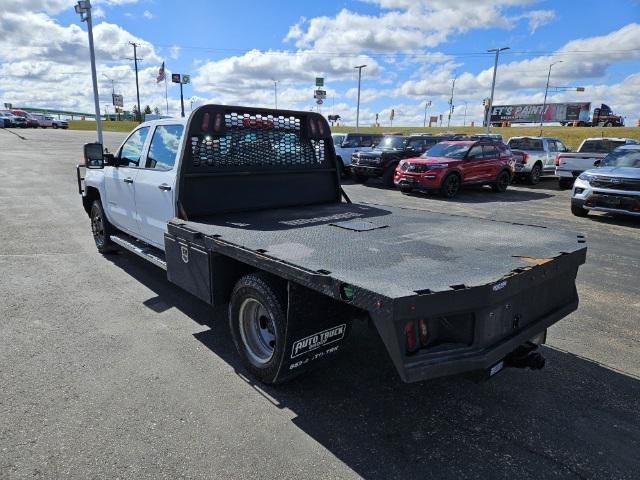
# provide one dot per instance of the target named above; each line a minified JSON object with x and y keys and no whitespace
{"x":447,"y":166}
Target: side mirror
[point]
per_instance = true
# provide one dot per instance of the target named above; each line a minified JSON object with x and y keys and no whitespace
{"x":597,"y":163}
{"x":93,"y":155}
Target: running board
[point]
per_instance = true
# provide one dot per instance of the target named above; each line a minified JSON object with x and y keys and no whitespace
{"x":141,"y":249}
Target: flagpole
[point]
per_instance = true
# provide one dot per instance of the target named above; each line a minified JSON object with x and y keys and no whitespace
{"x":166,"y":97}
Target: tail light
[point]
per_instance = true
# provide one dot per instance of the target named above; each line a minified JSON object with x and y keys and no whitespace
{"x":423,"y":332}
{"x":557,"y":160}
{"x":410,"y":336}
{"x":525,"y":157}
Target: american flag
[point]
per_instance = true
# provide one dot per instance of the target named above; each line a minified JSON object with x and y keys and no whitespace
{"x":161,"y":74}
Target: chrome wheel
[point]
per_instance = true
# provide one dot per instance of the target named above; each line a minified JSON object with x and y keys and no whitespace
{"x":97,"y":227}
{"x":258,"y":331}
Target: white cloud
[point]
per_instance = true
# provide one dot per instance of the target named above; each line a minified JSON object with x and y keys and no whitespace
{"x":147,"y":14}
{"x":408,"y":24}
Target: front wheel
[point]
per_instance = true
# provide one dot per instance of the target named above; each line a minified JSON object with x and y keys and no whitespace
{"x":55,"y":126}
{"x":359,"y":178}
{"x":502,"y":182}
{"x":450,"y":186}
{"x":257,"y":319}
{"x":101,"y":228}
{"x":387,"y":176}
{"x":535,"y":174}
{"x":578,"y":211}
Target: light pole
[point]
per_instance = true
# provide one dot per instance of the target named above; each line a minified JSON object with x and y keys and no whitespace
{"x":464,"y":121}
{"x":426,"y":105}
{"x":275,"y":92}
{"x":546,"y":89}
{"x":493,"y":84}
{"x":451,"y":102}
{"x":359,"y":67}
{"x":83,"y":8}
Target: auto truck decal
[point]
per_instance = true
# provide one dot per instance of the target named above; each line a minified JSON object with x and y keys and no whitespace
{"x":307,"y":344}
{"x":185,"y":253}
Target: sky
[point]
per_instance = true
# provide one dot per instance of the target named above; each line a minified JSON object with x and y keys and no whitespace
{"x":413,"y":49}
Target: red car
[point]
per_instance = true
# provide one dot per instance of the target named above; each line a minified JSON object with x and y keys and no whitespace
{"x":447,"y":166}
{"x":32,"y":122}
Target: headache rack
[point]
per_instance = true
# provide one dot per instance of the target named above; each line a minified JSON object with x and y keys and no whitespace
{"x":239,"y":159}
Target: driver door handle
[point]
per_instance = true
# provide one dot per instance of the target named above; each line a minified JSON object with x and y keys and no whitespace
{"x":164,"y":187}
{"x":128,"y":180}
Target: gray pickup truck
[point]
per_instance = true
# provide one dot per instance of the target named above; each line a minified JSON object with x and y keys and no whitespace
{"x":571,"y":165}
{"x":535,"y":157}
{"x":243,"y":206}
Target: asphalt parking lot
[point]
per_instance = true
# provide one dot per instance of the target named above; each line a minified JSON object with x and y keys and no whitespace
{"x":109,"y":371}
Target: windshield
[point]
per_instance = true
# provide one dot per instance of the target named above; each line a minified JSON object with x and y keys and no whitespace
{"x":600,"y":146}
{"x":622,"y":158}
{"x":449,"y":150}
{"x":392,"y":143}
{"x":531,"y":144}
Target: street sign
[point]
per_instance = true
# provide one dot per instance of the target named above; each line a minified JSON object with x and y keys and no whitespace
{"x":319,"y":82}
{"x":322,"y":94}
{"x":117,"y":100}
{"x":319,"y":101}
{"x":175,"y":77}
{"x":186,"y":79}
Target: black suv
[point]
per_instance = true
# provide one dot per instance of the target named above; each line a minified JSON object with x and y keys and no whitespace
{"x":381,"y":162}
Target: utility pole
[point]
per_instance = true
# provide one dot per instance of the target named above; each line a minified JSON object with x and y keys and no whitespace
{"x":359,"y":67}
{"x":426,"y":105}
{"x":83,"y":8}
{"x":544,"y":104}
{"x":493,"y":85}
{"x":275,"y":92}
{"x":451,"y":102}
{"x":135,"y":61}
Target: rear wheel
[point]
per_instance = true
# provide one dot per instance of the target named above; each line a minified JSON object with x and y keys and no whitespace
{"x":101,"y":229}
{"x":535,"y":174}
{"x":257,"y":319}
{"x":608,"y":124}
{"x":502,"y":182}
{"x":578,"y":211}
{"x":565,"y":183}
{"x":450,"y":185}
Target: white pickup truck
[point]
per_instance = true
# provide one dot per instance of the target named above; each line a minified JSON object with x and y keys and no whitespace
{"x":535,"y":156}
{"x":243,"y":206}
{"x":570,"y":165}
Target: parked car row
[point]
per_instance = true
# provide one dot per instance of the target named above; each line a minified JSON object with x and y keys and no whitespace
{"x":440,"y":163}
{"x":22,"y":119}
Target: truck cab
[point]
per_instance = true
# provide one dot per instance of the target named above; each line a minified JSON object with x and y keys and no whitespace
{"x":137,"y":185}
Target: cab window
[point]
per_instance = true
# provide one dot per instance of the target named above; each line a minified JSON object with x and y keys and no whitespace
{"x":131,"y":151}
{"x":475,"y":152}
{"x":164,"y":147}
{"x":490,"y":151}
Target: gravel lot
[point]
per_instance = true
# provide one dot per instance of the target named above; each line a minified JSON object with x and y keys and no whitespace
{"x":109,"y":371}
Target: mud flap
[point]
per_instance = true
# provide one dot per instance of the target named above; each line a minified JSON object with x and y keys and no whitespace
{"x":317,"y":326}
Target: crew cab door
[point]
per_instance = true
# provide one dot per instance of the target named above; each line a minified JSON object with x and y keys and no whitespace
{"x":120,"y":182}
{"x":156,"y":182}
{"x":491,"y":162}
{"x":472,"y":164}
